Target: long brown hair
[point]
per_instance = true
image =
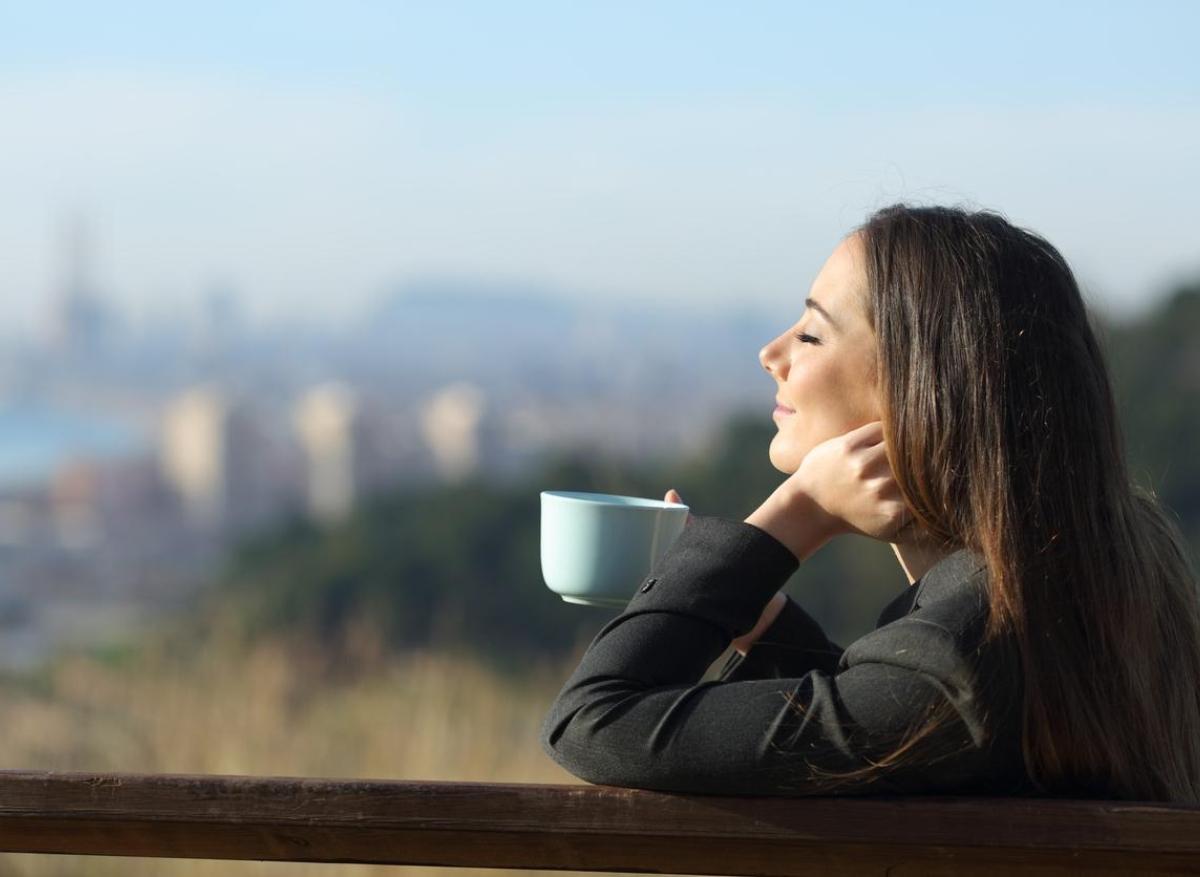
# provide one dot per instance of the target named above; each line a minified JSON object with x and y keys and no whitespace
{"x":1003,"y":435}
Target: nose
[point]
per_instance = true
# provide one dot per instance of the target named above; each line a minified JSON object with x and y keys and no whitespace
{"x":770,"y":360}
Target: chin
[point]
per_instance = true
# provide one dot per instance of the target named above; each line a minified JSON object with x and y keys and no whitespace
{"x":782,"y":460}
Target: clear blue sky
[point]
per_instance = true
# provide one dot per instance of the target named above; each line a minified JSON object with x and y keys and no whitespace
{"x":313,"y":153}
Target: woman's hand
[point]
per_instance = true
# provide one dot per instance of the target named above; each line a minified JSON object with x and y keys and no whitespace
{"x":843,"y":485}
{"x":850,"y":479}
{"x":769,"y":613}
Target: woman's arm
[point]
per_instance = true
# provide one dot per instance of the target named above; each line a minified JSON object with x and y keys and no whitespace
{"x":634,"y":714}
{"x":794,"y":626}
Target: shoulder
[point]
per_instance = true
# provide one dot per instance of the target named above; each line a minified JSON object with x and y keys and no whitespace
{"x":944,"y":627}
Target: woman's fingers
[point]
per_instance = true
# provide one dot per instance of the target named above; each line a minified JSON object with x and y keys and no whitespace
{"x":865,"y":435}
{"x":672,"y":496}
{"x":850,"y":479}
{"x":876,"y":461}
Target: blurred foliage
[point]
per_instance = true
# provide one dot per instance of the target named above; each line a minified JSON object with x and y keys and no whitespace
{"x":1156,"y":374}
{"x":459,"y":564}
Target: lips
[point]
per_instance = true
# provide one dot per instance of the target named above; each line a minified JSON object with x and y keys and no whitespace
{"x":780,"y":408}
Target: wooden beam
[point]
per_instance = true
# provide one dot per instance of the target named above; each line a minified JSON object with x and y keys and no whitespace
{"x":584,"y":828}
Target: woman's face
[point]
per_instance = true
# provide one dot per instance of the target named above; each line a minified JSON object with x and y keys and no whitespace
{"x":825,"y":379}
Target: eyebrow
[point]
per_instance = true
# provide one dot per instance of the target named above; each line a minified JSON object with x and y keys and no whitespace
{"x":816,"y":306}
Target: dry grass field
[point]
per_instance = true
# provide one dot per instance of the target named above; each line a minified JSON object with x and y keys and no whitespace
{"x":275,"y":709}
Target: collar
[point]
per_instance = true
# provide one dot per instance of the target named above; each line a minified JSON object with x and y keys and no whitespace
{"x":947,"y":575}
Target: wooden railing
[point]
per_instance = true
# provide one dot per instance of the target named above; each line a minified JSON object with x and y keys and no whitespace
{"x":585,"y":828}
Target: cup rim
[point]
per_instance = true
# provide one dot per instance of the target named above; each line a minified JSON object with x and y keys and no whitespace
{"x":613,"y":500}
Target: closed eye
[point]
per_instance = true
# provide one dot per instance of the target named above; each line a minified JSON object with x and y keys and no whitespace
{"x":807,"y":339}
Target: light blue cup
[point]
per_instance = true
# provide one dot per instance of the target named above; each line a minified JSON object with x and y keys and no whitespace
{"x":597,"y":547}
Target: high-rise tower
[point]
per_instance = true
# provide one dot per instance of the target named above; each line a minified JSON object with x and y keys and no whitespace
{"x":77,"y":318}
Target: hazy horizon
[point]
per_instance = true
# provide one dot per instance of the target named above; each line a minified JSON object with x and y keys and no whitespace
{"x":310,"y":157}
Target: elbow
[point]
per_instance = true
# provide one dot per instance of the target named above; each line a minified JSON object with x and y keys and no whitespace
{"x":549,"y":734}
{"x":556,"y":740}
{"x":575,"y":750}
{"x":554,"y":725}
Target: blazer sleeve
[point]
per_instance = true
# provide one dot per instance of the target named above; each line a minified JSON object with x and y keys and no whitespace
{"x":794,"y":644}
{"x":636,"y":713}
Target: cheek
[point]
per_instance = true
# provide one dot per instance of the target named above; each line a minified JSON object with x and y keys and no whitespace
{"x":819,"y":392}
{"x":828,"y":403}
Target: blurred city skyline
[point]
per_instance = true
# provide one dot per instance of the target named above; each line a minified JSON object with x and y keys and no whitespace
{"x":302,"y":305}
{"x":306,"y":159}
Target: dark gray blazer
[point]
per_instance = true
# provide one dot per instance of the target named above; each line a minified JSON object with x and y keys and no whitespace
{"x":636,"y":713}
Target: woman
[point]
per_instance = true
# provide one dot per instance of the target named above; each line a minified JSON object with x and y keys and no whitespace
{"x":943,"y":391}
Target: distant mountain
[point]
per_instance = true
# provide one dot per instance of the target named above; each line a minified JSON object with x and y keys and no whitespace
{"x":512,"y":333}
{"x":438,"y":311}
{"x":485,"y":298}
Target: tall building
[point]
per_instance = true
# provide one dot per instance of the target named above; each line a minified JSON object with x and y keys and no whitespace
{"x":79,"y":319}
{"x":211,"y":453}
{"x":455,"y":427}
{"x":333,"y":433}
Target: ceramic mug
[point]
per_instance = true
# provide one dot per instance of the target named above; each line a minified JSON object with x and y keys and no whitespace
{"x":597,"y":547}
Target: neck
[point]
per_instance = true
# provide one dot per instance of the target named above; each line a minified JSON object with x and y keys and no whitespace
{"x":917,"y":554}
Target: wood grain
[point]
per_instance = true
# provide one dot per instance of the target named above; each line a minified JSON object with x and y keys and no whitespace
{"x":596,"y":828}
